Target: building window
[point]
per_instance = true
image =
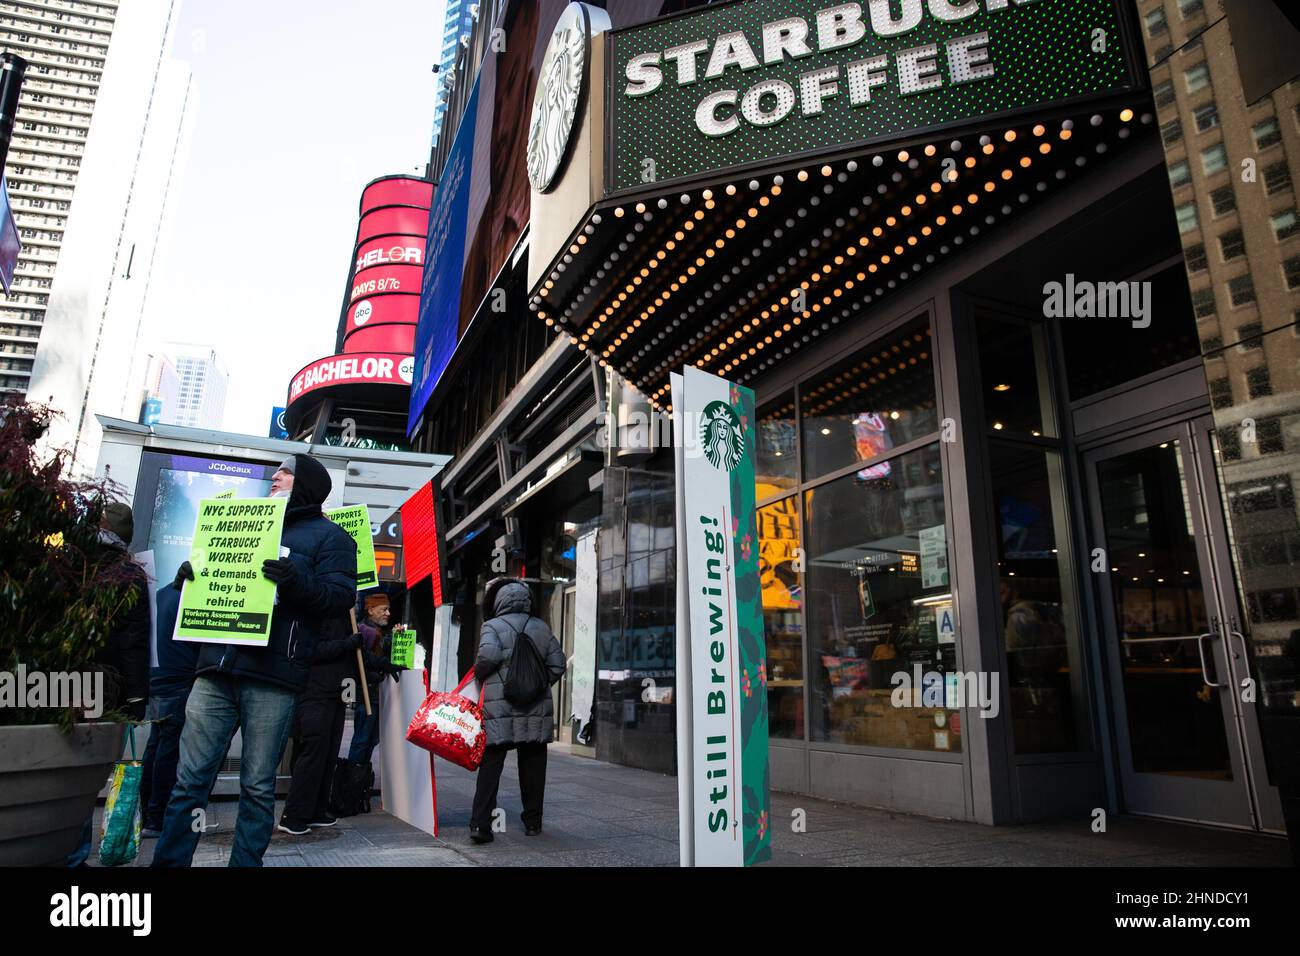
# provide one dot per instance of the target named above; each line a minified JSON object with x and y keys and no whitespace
{"x":776,"y":463}
{"x":1211,"y":343}
{"x":1186,"y":215}
{"x":1291,"y":273}
{"x":1197,"y":77}
{"x":889,"y":399}
{"x":1285,"y":224}
{"x":1156,"y":23}
{"x":1164,"y":94}
{"x":1203,"y":303}
{"x":1223,"y":200}
{"x":1187,"y":8}
{"x":1266,"y":133}
{"x":1241,"y":290}
{"x":1214,"y":159}
{"x":1171,"y":132}
{"x":1268,"y":436}
{"x":1195,"y":256}
{"x":1232,"y":244}
{"x":1276,"y":178}
{"x":1250,"y":336}
{"x":1207,"y":117}
{"x":877,"y":579}
{"x":778,"y":560}
{"x":1230,"y":444}
{"x":1221,"y":393}
{"x":1257,"y":382}
{"x":1179,"y":174}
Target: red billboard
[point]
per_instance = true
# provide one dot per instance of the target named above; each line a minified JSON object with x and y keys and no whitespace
{"x":422,"y":540}
{"x":394,"y":221}
{"x":360,"y":368}
{"x":382,"y":310}
{"x":396,"y":191}
{"x":383,"y":279}
{"x":389,"y":251}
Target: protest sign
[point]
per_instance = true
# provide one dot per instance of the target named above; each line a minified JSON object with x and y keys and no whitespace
{"x":355,"y":520}
{"x":229,"y":599}
{"x":403,"y":648}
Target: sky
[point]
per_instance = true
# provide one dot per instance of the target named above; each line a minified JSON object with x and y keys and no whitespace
{"x":300,"y":104}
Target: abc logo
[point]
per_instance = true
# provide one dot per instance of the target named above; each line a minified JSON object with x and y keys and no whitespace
{"x":362,"y":313}
{"x":407,"y":369}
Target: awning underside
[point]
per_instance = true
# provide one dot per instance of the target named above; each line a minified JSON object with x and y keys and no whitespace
{"x":734,"y":277}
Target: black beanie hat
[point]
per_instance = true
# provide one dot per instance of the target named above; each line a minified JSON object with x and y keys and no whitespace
{"x":311,"y":484}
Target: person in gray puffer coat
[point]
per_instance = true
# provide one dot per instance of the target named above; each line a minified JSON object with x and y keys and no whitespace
{"x":527,"y":729}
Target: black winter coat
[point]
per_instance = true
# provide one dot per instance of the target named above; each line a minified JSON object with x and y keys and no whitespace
{"x":326,"y":586}
{"x":126,"y":649}
{"x":504,"y":722}
{"x":334,"y":661}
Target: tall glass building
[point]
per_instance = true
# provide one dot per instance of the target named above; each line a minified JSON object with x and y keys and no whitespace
{"x":457,"y":23}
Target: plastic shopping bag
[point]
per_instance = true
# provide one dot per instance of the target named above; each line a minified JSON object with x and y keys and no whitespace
{"x":119,"y":838}
{"x":450,"y":725}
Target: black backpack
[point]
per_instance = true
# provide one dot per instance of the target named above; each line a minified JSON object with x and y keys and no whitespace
{"x":528,"y":678}
{"x":350,"y":790}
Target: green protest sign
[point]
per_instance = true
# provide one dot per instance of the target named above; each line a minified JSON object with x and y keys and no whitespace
{"x":355,"y":520}
{"x":403,"y":648}
{"x":229,"y":599}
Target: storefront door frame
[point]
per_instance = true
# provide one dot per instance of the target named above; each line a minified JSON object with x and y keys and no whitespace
{"x":987,"y":786}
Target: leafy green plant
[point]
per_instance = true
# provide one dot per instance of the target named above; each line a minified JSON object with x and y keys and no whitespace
{"x":60,"y":588}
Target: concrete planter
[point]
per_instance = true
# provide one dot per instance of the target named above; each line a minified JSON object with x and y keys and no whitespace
{"x":48,"y":784}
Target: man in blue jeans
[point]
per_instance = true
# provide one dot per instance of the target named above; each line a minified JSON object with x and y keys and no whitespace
{"x":253,"y":689}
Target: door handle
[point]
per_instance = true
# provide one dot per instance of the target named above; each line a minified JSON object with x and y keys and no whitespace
{"x":1200,"y":649}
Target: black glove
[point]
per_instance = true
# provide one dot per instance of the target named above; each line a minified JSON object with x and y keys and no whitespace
{"x":183,"y":573}
{"x":279,"y":570}
{"x":395,"y":672}
{"x":354,"y":642}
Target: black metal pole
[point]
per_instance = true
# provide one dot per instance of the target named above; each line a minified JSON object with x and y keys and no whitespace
{"x":12,"y":70}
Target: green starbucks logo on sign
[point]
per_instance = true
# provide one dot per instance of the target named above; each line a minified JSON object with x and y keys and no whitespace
{"x":720,"y":431}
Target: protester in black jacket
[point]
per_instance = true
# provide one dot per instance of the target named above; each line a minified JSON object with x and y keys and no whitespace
{"x":318,"y":728}
{"x":125,"y":653}
{"x":255,"y":688}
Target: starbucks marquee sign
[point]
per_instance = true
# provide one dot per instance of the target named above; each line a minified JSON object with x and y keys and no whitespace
{"x":746,"y":83}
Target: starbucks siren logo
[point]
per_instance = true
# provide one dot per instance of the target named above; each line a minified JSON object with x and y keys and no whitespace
{"x":720,"y":431}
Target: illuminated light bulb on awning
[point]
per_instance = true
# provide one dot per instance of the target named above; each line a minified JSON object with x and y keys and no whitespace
{"x":898,"y":250}
{"x":1066,"y":134}
{"x":1045,"y":148}
{"x":802,"y":175}
{"x":889,"y":221}
{"x":776,"y":190}
{"x":970,"y":164}
{"x":1025,"y":162}
{"x":988,"y":150}
{"x":1009,"y":136}
{"x":906,"y":210}
{"x":884,"y":260}
{"x":940,"y":220}
{"x":936,"y":187}
{"x":930,"y":150}
{"x":903,"y":156}
{"x":1006,"y":174}
{"x":1125,"y":115}
{"x":707,"y":194}
{"x":911,"y":240}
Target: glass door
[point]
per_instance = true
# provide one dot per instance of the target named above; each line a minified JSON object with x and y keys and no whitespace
{"x":1187,"y":745}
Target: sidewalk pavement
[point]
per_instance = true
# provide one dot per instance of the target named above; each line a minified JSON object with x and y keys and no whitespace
{"x":600,"y":814}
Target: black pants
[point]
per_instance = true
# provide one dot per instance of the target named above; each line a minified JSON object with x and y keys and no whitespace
{"x":317,"y":735}
{"x":532,"y":783}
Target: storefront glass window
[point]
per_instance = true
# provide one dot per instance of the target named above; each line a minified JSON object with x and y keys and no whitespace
{"x":880,"y":608}
{"x":1012,"y":379}
{"x":860,"y":409}
{"x":778,"y":565}
{"x":776,"y":466}
{"x":1038,"y":610}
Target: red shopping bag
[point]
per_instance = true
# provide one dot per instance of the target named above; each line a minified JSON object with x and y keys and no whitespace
{"x":450,"y":725}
